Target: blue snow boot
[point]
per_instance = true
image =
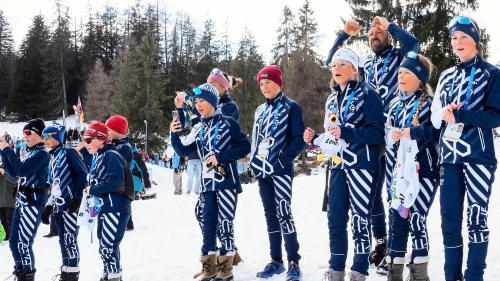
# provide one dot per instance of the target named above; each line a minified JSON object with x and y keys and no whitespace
{"x":272,"y":268}
{"x":294,"y":273}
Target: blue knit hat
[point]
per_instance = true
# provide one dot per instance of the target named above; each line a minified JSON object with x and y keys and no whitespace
{"x":208,"y":93}
{"x":413,"y":63}
{"x":55,"y":131}
{"x":467,"y":25}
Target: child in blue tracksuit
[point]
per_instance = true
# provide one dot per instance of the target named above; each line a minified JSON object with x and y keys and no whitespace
{"x":276,"y":142}
{"x":31,"y":196}
{"x":220,"y":143}
{"x":67,"y":178}
{"x":380,"y":71}
{"x":466,"y":108}
{"x":107,"y":185}
{"x":355,"y":123}
{"x":409,"y":118}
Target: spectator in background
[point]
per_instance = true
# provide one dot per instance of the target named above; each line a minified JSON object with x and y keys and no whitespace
{"x":176,"y":165}
{"x":7,"y":200}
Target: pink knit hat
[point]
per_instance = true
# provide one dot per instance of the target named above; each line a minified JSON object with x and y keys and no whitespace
{"x":217,"y":76}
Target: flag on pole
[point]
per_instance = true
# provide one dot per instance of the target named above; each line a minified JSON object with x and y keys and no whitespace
{"x":80,"y":110}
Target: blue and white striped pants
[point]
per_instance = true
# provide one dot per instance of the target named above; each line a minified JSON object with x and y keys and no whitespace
{"x":215,"y":211}
{"x":110,"y":231}
{"x":25,"y":223}
{"x":351,"y":189}
{"x":68,"y":235}
{"x":276,"y":195}
{"x":475,"y":181}
{"x":416,"y":224}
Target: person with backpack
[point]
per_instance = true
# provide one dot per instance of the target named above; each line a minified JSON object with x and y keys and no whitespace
{"x":380,"y":71}
{"x":411,"y":146}
{"x":31,"y":197}
{"x":220,"y":143}
{"x":276,"y":142}
{"x":354,"y":125}
{"x":117,"y":131}
{"x":109,"y":185}
{"x":67,"y":178}
{"x":466,"y":109}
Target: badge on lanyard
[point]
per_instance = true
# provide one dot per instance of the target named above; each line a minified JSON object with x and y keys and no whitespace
{"x":56,"y":187}
{"x":264,"y":147}
{"x":453,"y":132}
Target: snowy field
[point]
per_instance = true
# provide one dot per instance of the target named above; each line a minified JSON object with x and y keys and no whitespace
{"x":166,"y":241}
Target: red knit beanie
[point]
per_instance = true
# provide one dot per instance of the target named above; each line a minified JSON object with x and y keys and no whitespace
{"x":97,"y":130}
{"x":118,"y":124}
{"x":271,"y":72}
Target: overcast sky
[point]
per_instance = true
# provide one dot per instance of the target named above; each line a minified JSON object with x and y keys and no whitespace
{"x":261,"y":17}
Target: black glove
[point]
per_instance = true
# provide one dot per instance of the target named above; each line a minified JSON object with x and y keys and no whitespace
{"x":46,"y":214}
{"x":74,"y":205}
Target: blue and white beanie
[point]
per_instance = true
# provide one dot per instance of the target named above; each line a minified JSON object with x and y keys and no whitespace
{"x":55,"y":131}
{"x":208,"y":93}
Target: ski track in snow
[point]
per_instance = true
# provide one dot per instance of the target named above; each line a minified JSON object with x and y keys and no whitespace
{"x":165,"y":244}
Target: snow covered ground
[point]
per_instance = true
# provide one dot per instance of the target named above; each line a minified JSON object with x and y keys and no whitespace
{"x":166,"y":242}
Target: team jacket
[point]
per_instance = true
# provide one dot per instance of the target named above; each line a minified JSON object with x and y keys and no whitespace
{"x":402,"y":112}
{"x":479,"y":117}
{"x":361,"y":121}
{"x":221,"y":136}
{"x":125,"y":148}
{"x":228,"y":107}
{"x":67,"y":177}
{"x":31,"y":172}
{"x":106,"y":180}
{"x":381,"y":70}
{"x":280,"y":120}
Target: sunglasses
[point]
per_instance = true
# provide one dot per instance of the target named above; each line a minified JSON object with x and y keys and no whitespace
{"x":459,"y":20}
{"x":88,"y":140}
{"x":28,"y":133}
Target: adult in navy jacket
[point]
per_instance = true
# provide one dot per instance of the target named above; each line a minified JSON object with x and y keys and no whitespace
{"x":67,"y":178}
{"x":276,"y":142}
{"x":107,"y":184}
{"x":466,"y":108}
{"x":220,"y":143}
{"x":31,"y":196}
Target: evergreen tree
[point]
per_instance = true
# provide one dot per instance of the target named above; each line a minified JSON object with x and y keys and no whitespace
{"x":246,"y":65}
{"x":28,"y":99}
{"x":282,"y":49}
{"x":226,"y":49}
{"x":208,"y":52}
{"x":305,"y":30}
{"x":139,"y":96}
{"x":107,"y":32}
{"x":100,"y":89}
{"x":7,"y":63}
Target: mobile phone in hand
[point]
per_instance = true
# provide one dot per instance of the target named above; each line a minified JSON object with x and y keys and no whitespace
{"x":175,"y":115}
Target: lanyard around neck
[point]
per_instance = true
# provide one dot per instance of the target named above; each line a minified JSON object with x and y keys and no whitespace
{"x":211,"y":145}
{"x":407,"y":118}
{"x":468,"y":94}
{"x":384,"y":67}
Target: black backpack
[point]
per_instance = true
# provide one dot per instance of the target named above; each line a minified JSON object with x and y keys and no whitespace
{"x":128,"y":182}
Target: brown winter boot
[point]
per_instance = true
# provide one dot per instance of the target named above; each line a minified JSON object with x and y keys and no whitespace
{"x":418,"y":272}
{"x":208,"y":268}
{"x":224,"y":268}
{"x":236,"y":259}
{"x":395,"y":268}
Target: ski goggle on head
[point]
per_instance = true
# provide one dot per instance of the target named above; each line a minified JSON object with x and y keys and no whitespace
{"x":48,"y":136}
{"x":460,"y":20}
{"x":197,"y":91}
{"x":412,"y":55}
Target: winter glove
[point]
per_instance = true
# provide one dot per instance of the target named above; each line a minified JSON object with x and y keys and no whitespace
{"x":46,"y":214}
{"x":74,"y":205}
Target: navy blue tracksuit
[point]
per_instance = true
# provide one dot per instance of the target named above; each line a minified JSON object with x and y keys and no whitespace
{"x":106,"y":182}
{"x":380,"y":70}
{"x":30,"y":201}
{"x":353,"y":182}
{"x":468,"y":163}
{"x":402,"y":114}
{"x":279,"y":123}
{"x":221,"y":136}
{"x":67,"y":177}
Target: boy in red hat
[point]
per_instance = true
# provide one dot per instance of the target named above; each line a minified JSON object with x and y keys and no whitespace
{"x":107,"y":188}
{"x":117,"y":132}
{"x":276,"y":142}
